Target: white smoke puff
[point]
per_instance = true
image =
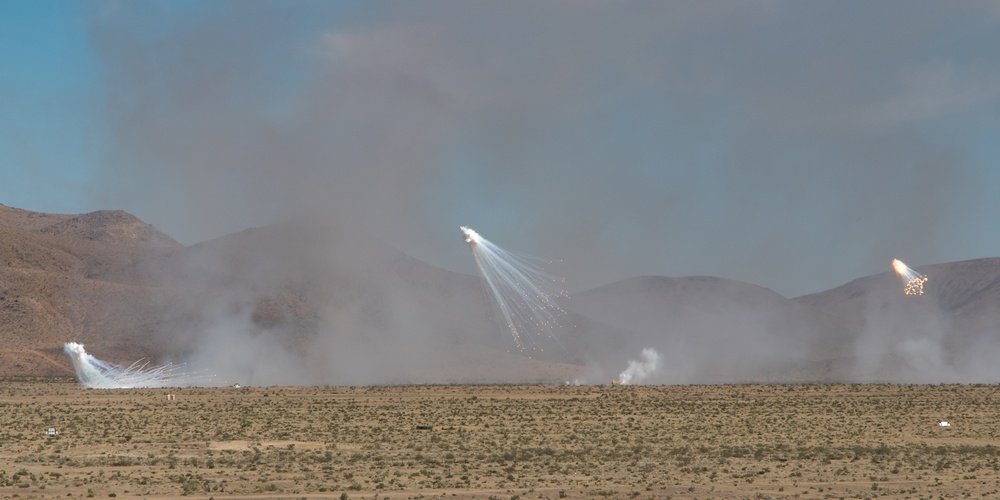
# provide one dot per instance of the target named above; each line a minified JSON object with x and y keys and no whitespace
{"x":96,"y":374}
{"x":639,"y":371}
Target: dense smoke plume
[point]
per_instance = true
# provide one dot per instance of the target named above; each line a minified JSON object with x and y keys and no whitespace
{"x":636,"y":139}
{"x":313,"y":304}
{"x":668,"y":139}
{"x":904,"y":341}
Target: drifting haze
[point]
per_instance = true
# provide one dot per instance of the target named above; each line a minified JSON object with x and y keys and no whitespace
{"x":786,"y":144}
{"x":791,"y":145}
{"x":296,"y":304}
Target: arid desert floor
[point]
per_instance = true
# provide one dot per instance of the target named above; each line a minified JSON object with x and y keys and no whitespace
{"x":500,"y":441}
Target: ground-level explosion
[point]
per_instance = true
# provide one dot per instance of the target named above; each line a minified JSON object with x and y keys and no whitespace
{"x":913,"y":282}
{"x":523,"y":293}
{"x":96,"y":374}
{"x":638,"y":372}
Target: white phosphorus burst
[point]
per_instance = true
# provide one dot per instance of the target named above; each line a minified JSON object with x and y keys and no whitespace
{"x":913,"y":282}
{"x":96,"y":374}
{"x":523,"y":293}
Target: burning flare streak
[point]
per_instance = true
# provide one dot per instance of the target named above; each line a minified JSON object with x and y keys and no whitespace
{"x":96,"y":374}
{"x":913,"y":282}
{"x":523,"y":294}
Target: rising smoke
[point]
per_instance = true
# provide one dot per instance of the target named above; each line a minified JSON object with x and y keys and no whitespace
{"x":610,"y":136}
{"x":294,"y":304}
{"x":408,"y":119}
{"x":639,"y":372}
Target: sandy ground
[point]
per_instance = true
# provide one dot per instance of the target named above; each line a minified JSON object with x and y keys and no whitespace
{"x":502,"y":442}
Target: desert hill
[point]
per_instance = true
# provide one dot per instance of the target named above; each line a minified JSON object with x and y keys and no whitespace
{"x":967,"y":289}
{"x":304,"y":303}
{"x":66,"y":277}
{"x":712,"y":329}
{"x":291,"y":303}
{"x":950,"y":332}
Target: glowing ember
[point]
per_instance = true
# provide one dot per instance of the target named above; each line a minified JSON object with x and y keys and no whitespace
{"x":913,"y":282}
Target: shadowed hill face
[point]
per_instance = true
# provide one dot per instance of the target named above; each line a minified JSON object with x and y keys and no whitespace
{"x":966,"y":288}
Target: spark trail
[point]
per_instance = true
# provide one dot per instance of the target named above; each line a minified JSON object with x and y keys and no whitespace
{"x":913,"y":282}
{"x":523,"y":293}
{"x":96,"y":374}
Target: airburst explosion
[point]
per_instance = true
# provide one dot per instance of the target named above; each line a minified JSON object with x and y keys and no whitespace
{"x":523,"y":294}
{"x":913,"y":282}
{"x":96,"y":374}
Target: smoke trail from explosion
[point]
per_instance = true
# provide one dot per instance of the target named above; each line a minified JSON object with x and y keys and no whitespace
{"x":913,"y":282}
{"x":96,"y":374}
{"x":523,"y":294}
{"x":638,"y":372}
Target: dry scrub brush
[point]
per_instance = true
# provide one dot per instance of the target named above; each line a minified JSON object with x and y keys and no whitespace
{"x":830,"y":441}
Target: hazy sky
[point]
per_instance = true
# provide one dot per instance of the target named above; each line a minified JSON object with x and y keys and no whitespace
{"x":795,"y":145}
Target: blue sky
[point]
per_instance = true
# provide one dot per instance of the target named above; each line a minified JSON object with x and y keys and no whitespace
{"x":50,"y":91}
{"x":795,"y":145}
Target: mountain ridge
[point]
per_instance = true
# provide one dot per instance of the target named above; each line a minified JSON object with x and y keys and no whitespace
{"x":304,"y":303}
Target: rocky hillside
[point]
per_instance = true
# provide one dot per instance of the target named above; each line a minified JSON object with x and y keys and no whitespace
{"x":310,"y":304}
{"x":279,"y":304}
{"x":66,"y":277}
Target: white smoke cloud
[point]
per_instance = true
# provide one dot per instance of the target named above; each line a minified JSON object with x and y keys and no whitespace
{"x":640,"y":371}
{"x":606,"y":135}
{"x":596,"y":126}
{"x":94,"y":373}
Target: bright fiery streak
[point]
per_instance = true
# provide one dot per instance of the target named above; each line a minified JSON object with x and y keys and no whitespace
{"x":523,"y":294}
{"x":913,"y":282}
{"x":96,"y":374}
